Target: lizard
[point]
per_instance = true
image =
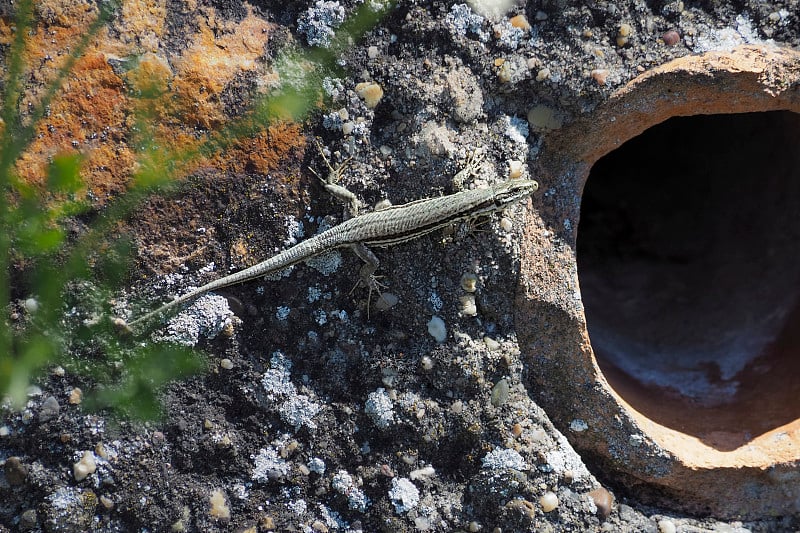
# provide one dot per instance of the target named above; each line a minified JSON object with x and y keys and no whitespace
{"x":384,"y":227}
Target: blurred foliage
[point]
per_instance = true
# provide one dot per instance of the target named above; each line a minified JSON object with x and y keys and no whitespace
{"x":55,"y":289}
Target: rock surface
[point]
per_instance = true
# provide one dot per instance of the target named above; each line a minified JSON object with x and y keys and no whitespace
{"x":313,"y":410}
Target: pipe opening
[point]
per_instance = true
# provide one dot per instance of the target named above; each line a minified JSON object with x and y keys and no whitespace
{"x":689,"y":265}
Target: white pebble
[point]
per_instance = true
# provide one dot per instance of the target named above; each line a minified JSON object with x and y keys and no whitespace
{"x":491,"y":344}
{"x":543,"y":74}
{"x":31,"y":305}
{"x":466,"y":306}
{"x":469,"y":282}
{"x":226,"y":363}
{"x":548,"y":501}
{"x":386,"y":301}
{"x":84,"y":467}
{"x":219,"y":507}
{"x":666,"y":526}
{"x":514,"y":169}
{"x":437,"y":329}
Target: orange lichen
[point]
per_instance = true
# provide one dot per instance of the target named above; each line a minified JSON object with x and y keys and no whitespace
{"x":65,"y":13}
{"x":87,"y":116}
{"x":125,"y":88}
{"x":141,"y":25}
{"x":264,"y":151}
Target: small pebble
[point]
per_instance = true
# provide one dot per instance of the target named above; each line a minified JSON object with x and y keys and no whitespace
{"x":474,"y":527}
{"x":600,"y":75}
{"x":457,"y":407}
{"x":515,"y":169}
{"x":516,"y":429}
{"x":219,"y":507}
{"x":671,"y":38}
{"x":226,"y":363}
{"x":467,"y":305}
{"x":521,"y":22}
{"x":504,"y":72}
{"x":543,"y":74}
{"x":422,"y":524}
{"x":667,"y":526}
{"x":49,"y":409}
{"x":426,"y":472}
{"x":491,"y":344}
{"x":604,"y":500}
{"x":623,"y":35}
{"x":506,"y":224}
{"x":469,"y":282}
{"x":548,"y":501}
{"x":319,"y":526}
{"x":28,"y":520}
{"x":524,"y":507}
{"x":59,"y":371}
{"x":426,"y":363}
{"x":385,"y":301}
{"x":100,"y":451}
{"x":107,"y":502}
{"x":370,"y":92}
{"x":83,"y":468}
{"x":500,"y":393}
{"x":31,"y":305}
{"x":15,"y":471}
{"x":372,"y":52}
{"x":75,"y":396}
{"x":437,"y":329}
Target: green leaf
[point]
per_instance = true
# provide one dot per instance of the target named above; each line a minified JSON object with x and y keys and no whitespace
{"x":146,"y":373}
{"x":63,"y":175}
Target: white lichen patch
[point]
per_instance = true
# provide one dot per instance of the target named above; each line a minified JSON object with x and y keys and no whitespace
{"x":268,"y":465}
{"x":326,"y":264}
{"x":319,"y":22}
{"x":344,"y":484}
{"x":504,"y":458}
{"x":206,"y":317}
{"x":295,"y":409}
{"x":463,"y":22}
{"x":404,"y":495}
{"x":379,"y":408}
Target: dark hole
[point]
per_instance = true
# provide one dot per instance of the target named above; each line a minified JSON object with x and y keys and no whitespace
{"x":689,"y":265}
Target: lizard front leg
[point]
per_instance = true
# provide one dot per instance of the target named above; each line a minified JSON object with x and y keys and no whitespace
{"x":330,"y":183}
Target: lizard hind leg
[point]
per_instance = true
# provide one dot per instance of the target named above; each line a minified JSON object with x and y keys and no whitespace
{"x":367,"y":273}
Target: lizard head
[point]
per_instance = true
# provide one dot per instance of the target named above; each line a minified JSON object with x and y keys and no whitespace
{"x":512,"y":191}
